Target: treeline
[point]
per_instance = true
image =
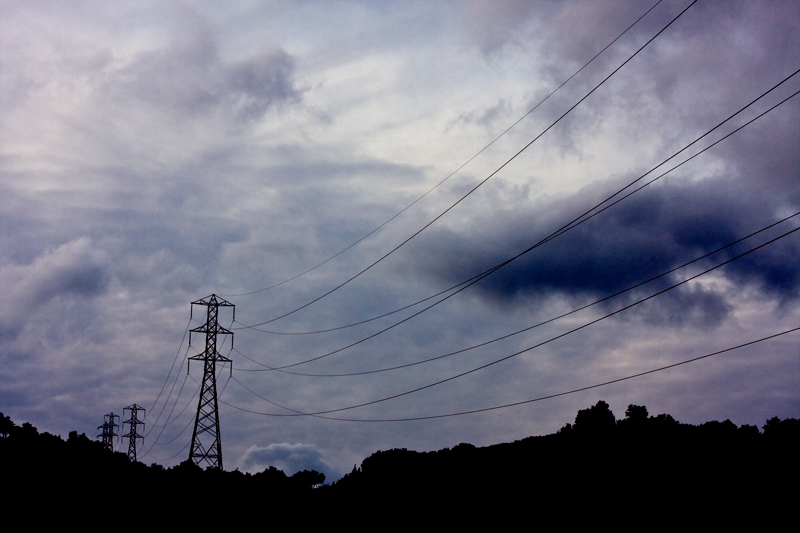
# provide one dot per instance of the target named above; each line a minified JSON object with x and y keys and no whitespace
{"x":79,"y":476}
{"x":594,"y":464}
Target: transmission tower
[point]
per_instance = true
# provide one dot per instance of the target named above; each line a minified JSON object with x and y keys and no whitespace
{"x":133,"y":423}
{"x":107,"y":434}
{"x":206,"y":443}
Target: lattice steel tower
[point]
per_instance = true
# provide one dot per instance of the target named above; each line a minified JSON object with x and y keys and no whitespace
{"x":206,"y":443}
{"x":133,"y":434}
{"x":108,"y":430}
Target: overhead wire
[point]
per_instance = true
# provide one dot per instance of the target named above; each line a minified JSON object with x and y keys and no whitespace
{"x":189,"y":423}
{"x":267,"y":368}
{"x":173,"y":439}
{"x":543,"y":241}
{"x":514,"y":404}
{"x":155,"y":424}
{"x":506,"y":405}
{"x":177,"y":355}
{"x":468,"y":161}
{"x":572,"y":223}
{"x":178,"y":453}
{"x":573,"y":391}
{"x":170,"y":419}
{"x":551,"y":339}
{"x":170,"y":422}
{"x":473,"y":189}
{"x":199,"y":385}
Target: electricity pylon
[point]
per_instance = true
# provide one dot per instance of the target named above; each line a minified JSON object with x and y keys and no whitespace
{"x":133,"y":434}
{"x":206,"y":443}
{"x":108,"y":430}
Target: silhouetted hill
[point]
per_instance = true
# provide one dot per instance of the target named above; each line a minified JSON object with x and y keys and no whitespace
{"x":79,"y":478}
{"x":590,"y":470}
{"x":594,"y":468}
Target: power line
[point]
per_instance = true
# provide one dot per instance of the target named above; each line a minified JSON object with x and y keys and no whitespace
{"x":542,"y":101}
{"x":548,"y":321}
{"x":186,"y":331}
{"x":485,"y":179}
{"x":177,"y":454}
{"x":563,"y":230}
{"x":189,"y":423}
{"x":496,"y":361}
{"x":573,"y":391}
{"x":577,"y":220}
{"x":166,"y":401}
{"x":173,"y":439}
{"x":329,"y":330}
{"x":171,"y":420}
{"x":538,"y":399}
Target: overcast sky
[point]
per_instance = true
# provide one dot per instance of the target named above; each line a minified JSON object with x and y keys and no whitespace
{"x":154,"y":153}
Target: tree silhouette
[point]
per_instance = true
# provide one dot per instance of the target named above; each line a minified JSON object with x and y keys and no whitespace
{"x":307,"y":480}
{"x":636,"y":412}
{"x":596,"y":419}
{"x":6,"y":425}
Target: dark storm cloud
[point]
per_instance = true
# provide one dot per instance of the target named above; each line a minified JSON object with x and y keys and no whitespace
{"x":651,"y":232}
{"x":690,"y":77}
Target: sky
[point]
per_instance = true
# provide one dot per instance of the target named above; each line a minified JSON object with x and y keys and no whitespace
{"x":155,"y":153}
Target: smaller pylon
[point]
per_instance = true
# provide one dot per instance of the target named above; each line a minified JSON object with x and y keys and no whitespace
{"x":109,"y":423}
{"x":133,"y":434}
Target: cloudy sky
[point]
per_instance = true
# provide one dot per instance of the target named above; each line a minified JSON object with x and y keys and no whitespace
{"x":154,"y":153}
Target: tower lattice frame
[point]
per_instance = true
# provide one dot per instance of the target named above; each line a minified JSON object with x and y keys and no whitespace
{"x":133,"y":433}
{"x":206,"y":443}
{"x":107,"y":430}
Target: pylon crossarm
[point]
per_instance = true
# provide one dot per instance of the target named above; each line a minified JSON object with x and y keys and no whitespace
{"x":206,"y":443}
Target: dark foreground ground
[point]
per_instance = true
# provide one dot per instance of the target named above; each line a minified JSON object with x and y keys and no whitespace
{"x":638,"y":472}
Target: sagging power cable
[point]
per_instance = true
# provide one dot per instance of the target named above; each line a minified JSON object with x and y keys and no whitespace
{"x":468,"y":161}
{"x":593,"y":211}
{"x":551,"y":339}
{"x":514,"y":404}
{"x":547,"y":239}
{"x":266,"y":368}
{"x":476,"y":187}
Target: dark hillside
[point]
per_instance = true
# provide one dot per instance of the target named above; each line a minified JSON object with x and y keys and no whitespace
{"x":591,"y":469}
{"x":596,"y":465}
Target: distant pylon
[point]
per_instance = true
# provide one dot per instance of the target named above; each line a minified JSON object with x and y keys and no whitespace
{"x":133,"y":434}
{"x":107,"y":428}
{"x":206,"y":442}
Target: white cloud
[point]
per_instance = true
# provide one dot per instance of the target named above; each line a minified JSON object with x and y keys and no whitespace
{"x":291,"y":458}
